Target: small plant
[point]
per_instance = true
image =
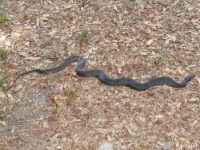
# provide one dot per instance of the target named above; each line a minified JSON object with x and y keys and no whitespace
{"x":71,"y":96}
{"x":83,"y":36}
{"x":162,"y":58}
{"x":130,"y":7}
{"x":3,"y":54}
{"x":64,"y":14}
{"x":191,"y":1}
{"x":84,"y":121}
{"x":55,"y":109}
{"x":138,"y":142}
{"x":3,"y":78}
{"x":3,"y":18}
{"x":197,"y":47}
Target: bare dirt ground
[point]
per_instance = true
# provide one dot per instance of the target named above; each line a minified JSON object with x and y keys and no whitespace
{"x":139,"y":39}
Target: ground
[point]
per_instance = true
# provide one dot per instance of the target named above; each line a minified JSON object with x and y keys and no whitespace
{"x":133,"y":38}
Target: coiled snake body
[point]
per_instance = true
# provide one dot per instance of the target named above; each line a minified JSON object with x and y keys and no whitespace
{"x":107,"y":80}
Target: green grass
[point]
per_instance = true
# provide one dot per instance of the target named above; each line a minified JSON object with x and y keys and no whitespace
{"x":197,"y":47}
{"x":3,"y":17}
{"x":3,"y":78}
{"x":84,"y":121}
{"x":3,"y":54}
{"x":83,"y":36}
{"x":191,"y":1}
{"x":55,"y":109}
{"x":72,"y":96}
{"x":162,"y":58}
{"x":186,"y":8}
{"x":130,"y":7}
{"x":64,"y":15}
{"x":138,"y":142}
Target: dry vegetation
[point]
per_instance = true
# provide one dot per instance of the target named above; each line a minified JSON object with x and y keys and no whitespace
{"x":139,"y":39}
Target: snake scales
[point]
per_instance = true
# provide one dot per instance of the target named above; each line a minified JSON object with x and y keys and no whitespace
{"x":107,"y":80}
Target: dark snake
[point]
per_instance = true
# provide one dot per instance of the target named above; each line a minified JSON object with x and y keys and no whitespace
{"x":106,"y":79}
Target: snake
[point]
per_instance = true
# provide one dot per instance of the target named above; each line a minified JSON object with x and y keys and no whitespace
{"x":103,"y":77}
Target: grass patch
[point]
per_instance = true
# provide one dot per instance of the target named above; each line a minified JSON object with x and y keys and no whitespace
{"x":64,"y":15}
{"x":3,"y":17}
{"x":83,"y":36}
{"x":3,"y":78}
{"x":84,"y":121}
{"x":138,"y":142}
{"x":3,"y":54}
{"x":55,"y":109}
{"x":71,"y":96}
{"x":162,"y":58}
{"x":130,"y":7}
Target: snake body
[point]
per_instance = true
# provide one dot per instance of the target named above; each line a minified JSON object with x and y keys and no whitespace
{"x":106,"y":79}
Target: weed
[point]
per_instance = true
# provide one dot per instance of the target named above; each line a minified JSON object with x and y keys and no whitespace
{"x":138,"y":142}
{"x":3,"y":17}
{"x":84,"y":121}
{"x":129,"y":7}
{"x":64,"y":15}
{"x":191,"y":1}
{"x":55,"y":109}
{"x":162,"y":58}
{"x":34,"y":17}
{"x":3,"y":78}
{"x":3,"y":54}
{"x":83,"y":36}
{"x":188,"y":7}
{"x":71,"y":96}
{"x":197,"y":47}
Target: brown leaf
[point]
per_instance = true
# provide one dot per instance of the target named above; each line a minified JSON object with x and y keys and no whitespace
{"x":18,"y":87}
{"x":138,"y":60}
{"x":45,"y":124}
{"x":33,"y":58}
{"x":27,"y":17}
{"x":170,"y":113}
{"x":144,"y":52}
{"x":52,"y":17}
{"x":158,"y":122}
{"x":59,"y":100}
{"x":2,"y":95}
{"x":149,"y":42}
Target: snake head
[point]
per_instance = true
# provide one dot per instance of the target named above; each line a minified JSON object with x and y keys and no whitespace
{"x":189,"y":77}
